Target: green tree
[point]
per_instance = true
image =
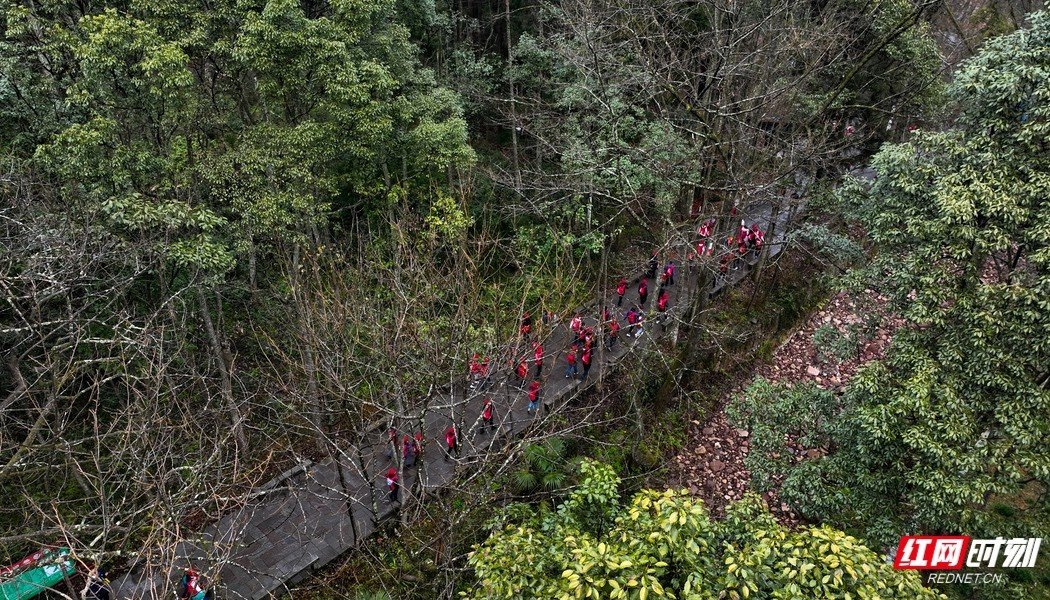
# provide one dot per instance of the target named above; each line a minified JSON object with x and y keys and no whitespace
{"x":957,"y":417}
{"x":162,"y":159}
{"x":663,"y":544}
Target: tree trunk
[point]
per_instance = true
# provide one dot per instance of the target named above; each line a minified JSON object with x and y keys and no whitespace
{"x":225,"y":361}
{"x":512,"y":100}
{"x":313,"y":398}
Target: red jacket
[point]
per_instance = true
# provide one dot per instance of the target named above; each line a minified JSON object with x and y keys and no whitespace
{"x":487,"y":413}
{"x":522,"y":370}
{"x":450,"y":436}
{"x":621,"y":288}
{"x":586,"y":358}
{"x":534,"y":391}
{"x":576,"y":324}
{"x":571,"y":357}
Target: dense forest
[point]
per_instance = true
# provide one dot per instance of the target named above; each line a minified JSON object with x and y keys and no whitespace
{"x":244,"y":241}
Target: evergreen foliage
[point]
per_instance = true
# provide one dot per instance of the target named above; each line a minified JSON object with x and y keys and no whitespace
{"x":664,"y":545}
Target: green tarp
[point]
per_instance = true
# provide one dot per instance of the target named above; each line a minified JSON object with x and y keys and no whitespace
{"x":27,"y":584}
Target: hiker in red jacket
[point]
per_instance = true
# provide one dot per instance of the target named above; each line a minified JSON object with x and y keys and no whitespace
{"x":614,"y":330}
{"x":632,"y":320}
{"x":621,"y":289}
{"x":534,"y":395}
{"x":391,"y":484}
{"x":585,"y":360}
{"x":576,"y":325}
{"x":759,"y":236}
{"x":486,"y":416}
{"x":643,"y":291}
{"x":526,"y":325}
{"x":706,"y":227}
{"x":669,"y":273}
{"x":522,"y":371}
{"x":479,"y":369}
{"x":587,"y":337}
{"x":570,"y":360}
{"x":537,"y":356}
{"x":452,"y":442}
{"x":190,"y":586}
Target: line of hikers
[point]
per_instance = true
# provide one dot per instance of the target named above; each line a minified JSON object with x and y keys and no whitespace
{"x":745,"y":241}
{"x":412,"y":448}
{"x":579,"y":355}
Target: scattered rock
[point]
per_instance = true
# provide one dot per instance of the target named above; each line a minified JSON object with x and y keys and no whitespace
{"x":715,"y":452}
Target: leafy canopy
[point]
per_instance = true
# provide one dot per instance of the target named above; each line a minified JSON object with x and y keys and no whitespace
{"x":957,"y":417}
{"x":665,"y":545}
